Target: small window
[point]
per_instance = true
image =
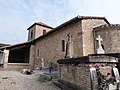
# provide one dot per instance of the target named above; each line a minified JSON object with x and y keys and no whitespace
{"x":32,"y":34}
{"x":38,"y":52}
{"x":63,"y":45}
{"x":44,"y":32}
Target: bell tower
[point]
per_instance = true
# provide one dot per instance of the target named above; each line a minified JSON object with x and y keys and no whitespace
{"x":37,"y":29}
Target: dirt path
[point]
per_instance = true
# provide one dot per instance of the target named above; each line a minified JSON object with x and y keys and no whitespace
{"x":13,"y":80}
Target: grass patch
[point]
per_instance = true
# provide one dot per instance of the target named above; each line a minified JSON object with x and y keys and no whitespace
{"x":44,"y":79}
{"x":4,"y":77}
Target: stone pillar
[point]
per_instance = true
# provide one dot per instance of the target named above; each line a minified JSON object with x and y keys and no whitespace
{"x":1,"y":57}
{"x":32,"y":55}
{"x":6,"y":55}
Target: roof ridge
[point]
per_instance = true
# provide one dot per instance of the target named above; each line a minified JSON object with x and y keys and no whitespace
{"x":41,"y":24}
{"x":106,"y":25}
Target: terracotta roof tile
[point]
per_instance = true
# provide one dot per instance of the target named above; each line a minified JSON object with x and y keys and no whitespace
{"x":41,"y":24}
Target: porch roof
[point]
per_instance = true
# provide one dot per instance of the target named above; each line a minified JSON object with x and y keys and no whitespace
{"x":16,"y":46}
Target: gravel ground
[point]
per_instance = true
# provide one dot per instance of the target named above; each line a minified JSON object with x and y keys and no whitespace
{"x":14,"y":80}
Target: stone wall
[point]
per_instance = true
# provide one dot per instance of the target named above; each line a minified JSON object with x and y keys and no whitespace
{"x":51,"y":45}
{"x":87,"y":29}
{"x":77,"y":74}
{"x":77,"y":70}
{"x":111,"y":38}
{"x":37,"y":31}
{"x":29,"y":33}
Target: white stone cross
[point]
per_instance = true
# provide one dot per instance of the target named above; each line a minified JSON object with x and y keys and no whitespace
{"x":100,"y":49}
{"x":99,"y":39}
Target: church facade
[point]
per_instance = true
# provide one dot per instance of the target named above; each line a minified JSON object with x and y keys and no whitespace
{"x":52,"y":45}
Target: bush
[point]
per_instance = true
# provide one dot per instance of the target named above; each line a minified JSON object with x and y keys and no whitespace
{"x":44,"y":79}
{"x":4,"y":77}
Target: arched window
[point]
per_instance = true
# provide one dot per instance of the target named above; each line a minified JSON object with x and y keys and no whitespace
{"x":31,"y":35}
{"x":38,"y":52}
{"x":44,"y":32}
{"x":63,"y":45}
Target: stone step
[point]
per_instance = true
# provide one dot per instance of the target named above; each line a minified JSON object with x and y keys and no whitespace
{"x":60,"y":85}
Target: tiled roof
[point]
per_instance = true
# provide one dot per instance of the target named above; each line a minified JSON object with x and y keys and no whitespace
{"x":41,"y":24}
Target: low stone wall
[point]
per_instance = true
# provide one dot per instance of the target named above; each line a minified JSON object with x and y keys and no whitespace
{"x":77,"y":70}
{"x":77,"y":74}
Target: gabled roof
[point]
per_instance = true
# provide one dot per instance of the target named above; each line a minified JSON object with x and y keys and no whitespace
{"x":40,"y":24}
{"x":93,"y":17}
{"x":70,"y":21}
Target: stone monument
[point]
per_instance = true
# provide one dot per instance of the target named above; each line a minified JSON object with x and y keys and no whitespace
{"x":69,"y":47}
{"x":99,"y":49}
{"x":42,"y":63}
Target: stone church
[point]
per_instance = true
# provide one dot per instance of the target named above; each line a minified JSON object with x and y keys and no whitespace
{"x":86,"y":50}
{"x":90,"y":35}
{"x":52,"y":45}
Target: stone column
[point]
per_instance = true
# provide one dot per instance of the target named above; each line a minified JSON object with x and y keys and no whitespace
{"x":32,"y":55}
{"x":6,"y":55}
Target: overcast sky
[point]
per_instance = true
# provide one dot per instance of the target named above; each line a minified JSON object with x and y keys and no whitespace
{"x":17,"y":15}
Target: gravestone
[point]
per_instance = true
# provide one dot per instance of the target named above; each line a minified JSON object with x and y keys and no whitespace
{"x":42,"y":63}
{"x":53,"y":66}
{"x":112,"y":87}
{"x":93,"y":77}
{"x":116,"y":73}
